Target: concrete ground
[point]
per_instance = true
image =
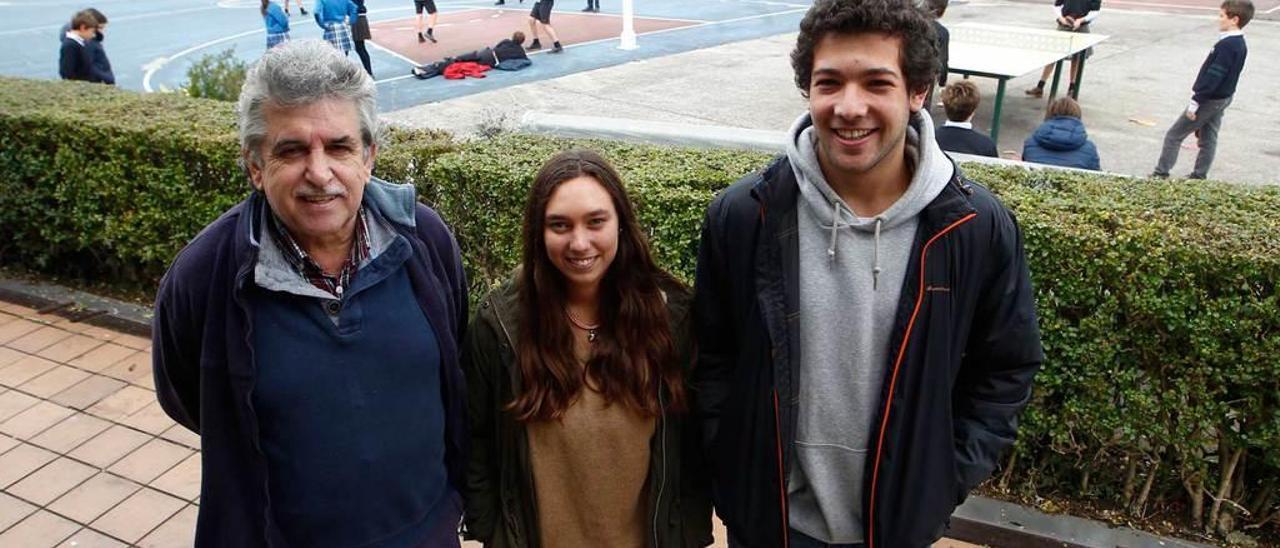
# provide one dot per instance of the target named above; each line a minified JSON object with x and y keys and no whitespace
{"x":1134,"y":86}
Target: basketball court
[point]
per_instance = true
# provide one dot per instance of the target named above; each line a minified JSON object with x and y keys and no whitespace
{"x":151,"y":43}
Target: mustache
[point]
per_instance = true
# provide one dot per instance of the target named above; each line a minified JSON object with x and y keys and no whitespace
{"x":335,"y":191}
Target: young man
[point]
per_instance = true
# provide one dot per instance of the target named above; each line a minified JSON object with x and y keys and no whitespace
{"x":74,"y":58}
{"x":866,"y":325}
{"x":311,"y":334}
{"x":432,"y":13}
{"x":540,"y":16}
{"x":960,"y":100}
{"x":1073,"y":16}
{"x":1211,"y":93}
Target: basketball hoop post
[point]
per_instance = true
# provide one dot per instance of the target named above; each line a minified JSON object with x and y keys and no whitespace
{"x":628,"y":38}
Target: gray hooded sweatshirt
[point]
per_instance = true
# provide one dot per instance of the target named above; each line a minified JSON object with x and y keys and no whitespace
{"x":851,"y":277}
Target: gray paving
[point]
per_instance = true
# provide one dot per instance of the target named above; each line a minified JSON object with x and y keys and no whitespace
{"x":1134,"y":86}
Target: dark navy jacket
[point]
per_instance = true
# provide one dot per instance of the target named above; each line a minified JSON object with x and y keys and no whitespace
{"x":204,"y":365}
{"x":964,"y":348}
{"x":965,"y":141}
{"x":1061,"y":141}
{"x":1221,"y":70}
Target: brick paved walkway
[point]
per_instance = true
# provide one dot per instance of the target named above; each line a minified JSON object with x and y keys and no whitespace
{"x":87,"y":457}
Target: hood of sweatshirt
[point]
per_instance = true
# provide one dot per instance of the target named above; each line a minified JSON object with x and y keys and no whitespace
{"x":931,"y":171}
{"x":1061,"y":133}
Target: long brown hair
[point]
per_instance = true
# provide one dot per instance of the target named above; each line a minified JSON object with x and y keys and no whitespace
{"x":634,"y":356}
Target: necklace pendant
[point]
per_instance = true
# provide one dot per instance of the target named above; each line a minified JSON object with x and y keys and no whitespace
{"x":591,"y":335}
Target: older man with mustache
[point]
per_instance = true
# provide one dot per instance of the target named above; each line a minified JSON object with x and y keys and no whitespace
{"x":310,"y":335}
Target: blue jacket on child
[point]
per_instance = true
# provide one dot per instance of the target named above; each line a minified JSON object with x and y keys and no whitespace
{"x":1061,"y":141}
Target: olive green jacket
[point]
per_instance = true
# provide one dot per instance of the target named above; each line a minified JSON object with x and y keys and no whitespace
{"x":500,"y":507}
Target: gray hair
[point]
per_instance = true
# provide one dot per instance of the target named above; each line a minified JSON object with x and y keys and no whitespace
{"x":302,"y":72}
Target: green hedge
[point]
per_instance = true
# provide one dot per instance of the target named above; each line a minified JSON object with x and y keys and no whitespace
{"x":1157,"y":300}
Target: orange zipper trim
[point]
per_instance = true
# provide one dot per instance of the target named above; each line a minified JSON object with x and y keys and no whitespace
{"x":893,"y":380}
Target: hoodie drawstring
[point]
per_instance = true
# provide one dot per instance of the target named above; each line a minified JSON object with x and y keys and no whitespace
{"x":875,"y":268}
{"x":835,"y":237}
{"x":835,"y":223}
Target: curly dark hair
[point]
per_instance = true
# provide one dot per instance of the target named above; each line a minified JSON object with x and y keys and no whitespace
{"x":901,"y":18}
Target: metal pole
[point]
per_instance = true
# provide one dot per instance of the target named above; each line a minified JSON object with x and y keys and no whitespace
{"x":628,"y":38}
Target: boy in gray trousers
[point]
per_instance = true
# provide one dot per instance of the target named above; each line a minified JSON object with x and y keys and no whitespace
{"x":1212,"y":92}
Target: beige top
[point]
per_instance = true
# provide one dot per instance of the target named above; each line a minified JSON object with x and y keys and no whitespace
{"x":589,"y":472}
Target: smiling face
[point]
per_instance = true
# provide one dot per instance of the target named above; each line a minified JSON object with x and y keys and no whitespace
{"x":581,"y":231}
{"x":313,"y":169}
{"x":861,"y":105}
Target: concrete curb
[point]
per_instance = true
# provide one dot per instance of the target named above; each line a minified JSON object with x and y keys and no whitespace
{"x":78,"y":306}
{"x":1000,"y":524}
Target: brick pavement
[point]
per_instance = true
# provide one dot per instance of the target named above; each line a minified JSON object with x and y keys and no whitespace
{"x":87,"y":457}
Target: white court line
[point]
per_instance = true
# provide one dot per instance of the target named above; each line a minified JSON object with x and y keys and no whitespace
{"x":155,"y":66}
{"x":395,"y":79}
{"x":394,"y":53}
{"x":1272,"y":10}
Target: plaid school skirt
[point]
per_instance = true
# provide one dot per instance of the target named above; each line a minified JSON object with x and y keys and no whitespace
{"x":275,"y":39}
{"x":338,"y":34}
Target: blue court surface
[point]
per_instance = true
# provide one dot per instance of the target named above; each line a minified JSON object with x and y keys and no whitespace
{"x":152,"y":42}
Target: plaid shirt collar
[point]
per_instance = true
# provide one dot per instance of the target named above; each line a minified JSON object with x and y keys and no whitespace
{"x":306,"y":267}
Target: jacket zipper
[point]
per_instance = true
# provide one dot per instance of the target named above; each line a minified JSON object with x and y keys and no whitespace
{"x":893,"y":379}
{"x":662,"y":475}
{"x":507,"y":512}
{"x":782,"y":479}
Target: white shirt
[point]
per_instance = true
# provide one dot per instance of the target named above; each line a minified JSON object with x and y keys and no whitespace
{"x":72,"y":35}
{"x":965,"y":125}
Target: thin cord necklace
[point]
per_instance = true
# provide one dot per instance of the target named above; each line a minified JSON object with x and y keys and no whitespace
{"x":590,"y":329}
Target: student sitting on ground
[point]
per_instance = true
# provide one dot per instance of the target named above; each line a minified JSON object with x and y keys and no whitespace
{"x":1062,"y":140}
{"x":960,"y":100}
{"x":506,"y":55}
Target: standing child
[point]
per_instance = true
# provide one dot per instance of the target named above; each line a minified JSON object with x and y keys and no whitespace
{"x":541,"y":16}
{"x":277,"y":22}
{"x":1211,"y":93}
{"x":74,"y":62}
{"x":361,"y":32}
{"x":938,"y":8}
{"x":99,"y":66}
{"x":428,"y":6}
{"x":335,"y":16}
{"x":1073,"y":16}
{"x":301,"y":9}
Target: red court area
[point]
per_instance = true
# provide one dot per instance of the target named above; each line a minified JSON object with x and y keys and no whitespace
{"x":470,"y":29}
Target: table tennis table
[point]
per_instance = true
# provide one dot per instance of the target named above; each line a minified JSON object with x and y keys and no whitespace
{"x":1005,"y":52}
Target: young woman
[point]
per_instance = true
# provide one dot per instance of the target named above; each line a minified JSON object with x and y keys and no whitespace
{"x":277,"y":22}
{"x":576,"y":373}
